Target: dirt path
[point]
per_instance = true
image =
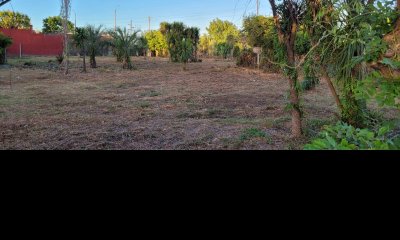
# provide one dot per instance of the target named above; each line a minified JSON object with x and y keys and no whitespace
{"x":213,"y":105}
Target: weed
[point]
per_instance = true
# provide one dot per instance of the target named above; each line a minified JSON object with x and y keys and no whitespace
{"x":151,"y":93}
{"x":143,"y":104}
{"x":252,"y":133}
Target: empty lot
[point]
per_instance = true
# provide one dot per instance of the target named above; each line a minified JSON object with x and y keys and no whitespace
{"x":212,"y":105}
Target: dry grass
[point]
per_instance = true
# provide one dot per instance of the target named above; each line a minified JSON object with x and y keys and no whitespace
{"x":213,"y":105}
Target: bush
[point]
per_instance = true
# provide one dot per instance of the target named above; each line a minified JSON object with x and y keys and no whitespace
{"x":346,"y":137}
{"x":223,"y":50}
{"x":4,"y":43}
{"x":236,"y":51}
{"x":246,"y":58}
{"x":309,"y":83}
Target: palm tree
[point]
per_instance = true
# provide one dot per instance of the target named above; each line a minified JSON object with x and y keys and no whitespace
{"x":193,"y":33}
{"x":186,"y":51}
{"x":81,"y":41}
{"x":124,"y":43}
{"x":94,"y":43}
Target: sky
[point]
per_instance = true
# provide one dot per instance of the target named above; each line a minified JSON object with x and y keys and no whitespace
{"x":196,"y":13}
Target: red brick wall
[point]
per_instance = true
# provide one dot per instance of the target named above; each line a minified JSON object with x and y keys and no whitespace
{"x":33,"y":44}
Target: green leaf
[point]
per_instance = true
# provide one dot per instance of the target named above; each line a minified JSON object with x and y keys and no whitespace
{"x":391,"y":63}
{"x":383,"y":131}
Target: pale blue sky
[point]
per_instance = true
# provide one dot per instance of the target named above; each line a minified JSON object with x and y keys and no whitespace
{"x":192,"y":12}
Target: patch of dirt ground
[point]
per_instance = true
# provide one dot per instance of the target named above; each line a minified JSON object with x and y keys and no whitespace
{"x":212,"y":105}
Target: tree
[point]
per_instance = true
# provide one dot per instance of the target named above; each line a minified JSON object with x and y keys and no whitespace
{"x":175,"y":34}
{"x":81,"y":41}
{"x":14,"y":20}
{"x":186,"y":52}
{"x":220,"y":30}
{"x":258,"y":29}
{"x":193,"y":34}
{"x":141,"y":46}
{"x":287,"y":16}
{"x":224,"y":35}
{"x":156,"y":42}
{"x":55,"y":25}
{"x":93,"y":43}
{"x":319,"y":19}
{"x":4,"y":43}
{"x":123,"y":43}
{"x":205,"y":45}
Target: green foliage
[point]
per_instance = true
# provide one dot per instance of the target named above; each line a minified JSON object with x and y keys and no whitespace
{"x":55,"y":25}
{"x":384,"y":91}
{"x":156,"y":42}
{"x":252,"y":133}
{"x":186,"y":51}
{"x":258,"y":30}
{"x":236,"y":51}
{"x":94,"y":42}
{"x":4,"y":43}
{"x":123,"y":44}
{"x":275,"y":51}
{"x":80,"y":38}
{"x":193,"y":34}
{"x":346,"y":137}
{"x":141,"y":46}
{"x":16,"y":20}
{"x":223,"y":49}
{"x":354,"y":37}
{"x":175,"y":33}
{"x":303,"y":43}
{"x":222,"y":38}
{"x":309,"y":83}
{"x":311,"y":80}
{"x":205,"y":45}
{"x":219,"y":31}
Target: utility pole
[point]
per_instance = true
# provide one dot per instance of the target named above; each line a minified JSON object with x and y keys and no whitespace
{"x":149,"y":24}
{"x":75,"y":20}
{"x":115,"y":20}
{"x":131,"y":26}
{"x":258,"y":7}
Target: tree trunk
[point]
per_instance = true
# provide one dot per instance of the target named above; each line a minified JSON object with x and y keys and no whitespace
{"x":93,"y":63}
{"x":184,"y":66}
{"x":315,"y":7}
{"x":289,"y":39}
{"x":84,"y":62}
{"x":332,"y":89}
{"x":294,"y":94}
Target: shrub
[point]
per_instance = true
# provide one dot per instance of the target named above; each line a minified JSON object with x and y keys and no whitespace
{"x":309,"y":83}
{"x":346,"y":137}
{"x":246,"y":58}
{"x":4,"y":43}
{"x":223,"y":50}
{"x":236,"y":51}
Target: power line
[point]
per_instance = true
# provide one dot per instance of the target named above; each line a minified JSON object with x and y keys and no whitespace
{"x":2,"y":2}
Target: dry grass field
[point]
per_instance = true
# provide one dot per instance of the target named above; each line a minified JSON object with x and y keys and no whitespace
{"x":212,"y":105}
